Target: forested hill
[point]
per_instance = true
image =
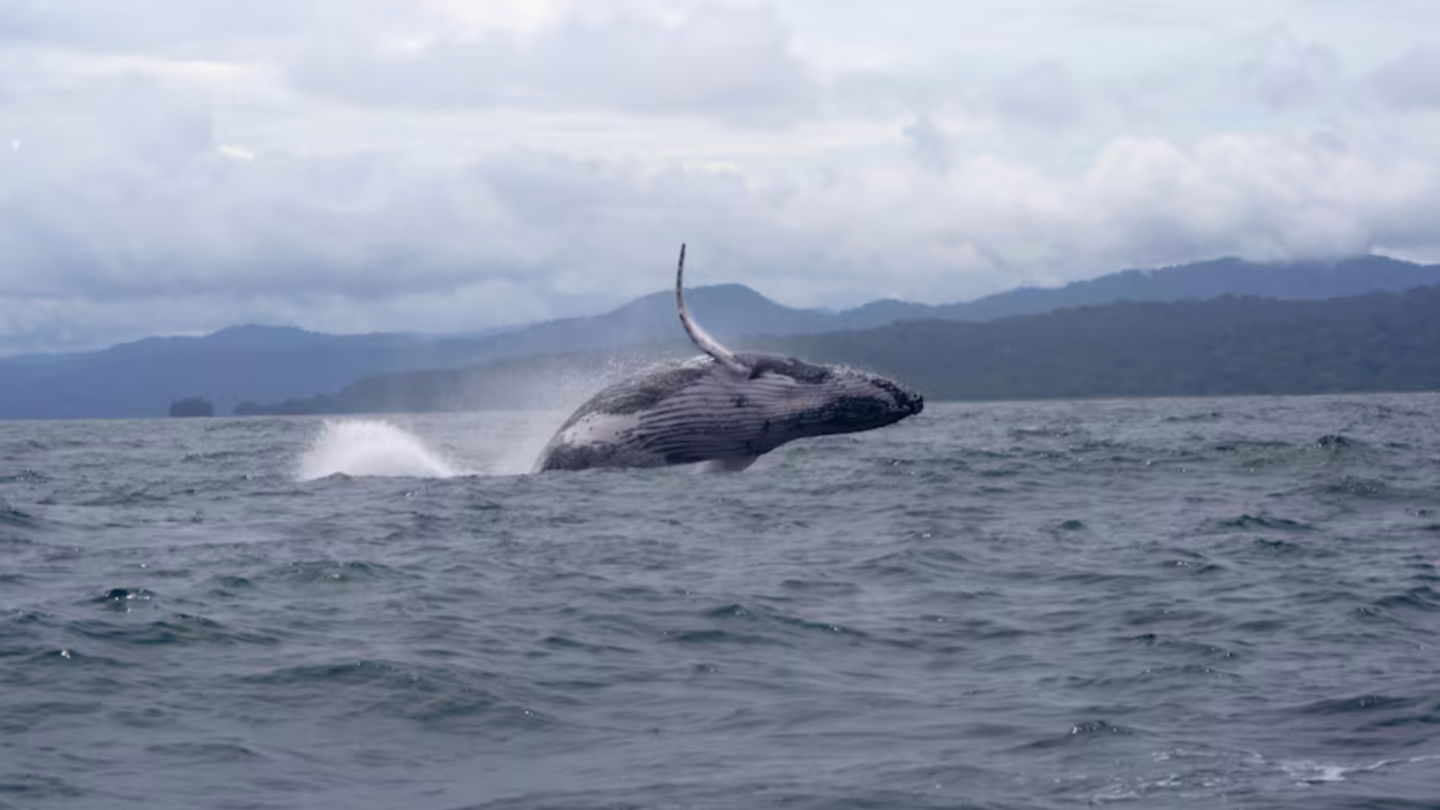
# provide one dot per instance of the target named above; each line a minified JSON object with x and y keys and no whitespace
{"x":1301,"y":280}
{"x":1228,"y":345}
{"x":265,"y":364}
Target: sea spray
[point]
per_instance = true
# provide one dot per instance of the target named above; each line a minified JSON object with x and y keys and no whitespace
{"x":525,"y":435}
{"x":371,"y":447}
{"x":547,"y":399}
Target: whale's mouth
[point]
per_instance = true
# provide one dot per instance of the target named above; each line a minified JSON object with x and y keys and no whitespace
{"x":915,"y":404}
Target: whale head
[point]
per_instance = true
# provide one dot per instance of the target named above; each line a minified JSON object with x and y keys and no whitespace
{"x":818,"y":399}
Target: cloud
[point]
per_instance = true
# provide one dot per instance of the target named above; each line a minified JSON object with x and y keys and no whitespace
{"x":932,"y":146}
{"x":1042,"y":94}
{"x":363,"y":164}
{"x":172,"y":28}
{"x":731,"y":63}
{"x":1411,"y":80}
{"x":146,"y":211}
{"x":1285,"y":72}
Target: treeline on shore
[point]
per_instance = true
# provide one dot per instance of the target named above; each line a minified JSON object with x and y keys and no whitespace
{"x":1227,"y":345}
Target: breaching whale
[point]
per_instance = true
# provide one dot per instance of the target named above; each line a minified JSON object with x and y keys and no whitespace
{"x":725,"y":408}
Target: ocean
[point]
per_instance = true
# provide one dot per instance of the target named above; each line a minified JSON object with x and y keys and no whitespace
{"x":1158,"y":603}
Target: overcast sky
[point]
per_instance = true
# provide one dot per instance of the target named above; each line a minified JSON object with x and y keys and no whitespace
{"x":177,"y":166}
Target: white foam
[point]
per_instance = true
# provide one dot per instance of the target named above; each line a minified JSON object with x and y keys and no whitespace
{"x":1305,"y":772}
{"x":371,"y":447}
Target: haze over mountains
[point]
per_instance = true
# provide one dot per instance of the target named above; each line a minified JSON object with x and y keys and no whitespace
{"x":268,"y":364}
{"x":1225,"y":345}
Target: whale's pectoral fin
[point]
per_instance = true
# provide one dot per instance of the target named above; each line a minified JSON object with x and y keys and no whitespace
{"x":699,"y":336}
{"x":730,"y":464}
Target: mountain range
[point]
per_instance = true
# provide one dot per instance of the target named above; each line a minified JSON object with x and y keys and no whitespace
{"x":262,"y":364}
{"x":1225,"y":345}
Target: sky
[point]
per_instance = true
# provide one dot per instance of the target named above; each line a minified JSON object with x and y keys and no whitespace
{"x":178,"y":166}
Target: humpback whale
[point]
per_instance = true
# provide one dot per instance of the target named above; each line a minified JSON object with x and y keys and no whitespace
{"x":724,"y":408}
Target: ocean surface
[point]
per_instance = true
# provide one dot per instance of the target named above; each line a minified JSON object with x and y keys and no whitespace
{"x":1141,"y":603}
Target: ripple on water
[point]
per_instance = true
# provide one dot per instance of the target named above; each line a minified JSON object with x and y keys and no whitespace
{"x":455,"y":697}
{"x":15,"y":524}
{"x":200,"y":752}
{"x":175,"y":628}
{"x":943,"y":614}
{"x":62,"y":669}
{"x":1183,"y":647}
{"x":1282,"y":548}
{"x":1083,"y":733}
{"x":122,"y":599}
{"x":229,"y":585}
{"x":22,"y":717}
{"x":315,"y":572}
{"x":1423,"y":597}
{"x":34,"y":787}
{"x":1360,"y":703}
{"x":1356,"y":487}
{"x":1265,"y":522}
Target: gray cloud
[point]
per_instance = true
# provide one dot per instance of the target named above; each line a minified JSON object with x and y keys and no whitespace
{"x":198,"y":240}
{"x":178,"y":28}
{"x":1042,"y":94}
{"x":932,"y":147}
{"x":1286,"y":72}
{"x":374,"y":167}
{"x":735,"y":63}
{"x":374,"y":228}
{"x":1411,"y":80}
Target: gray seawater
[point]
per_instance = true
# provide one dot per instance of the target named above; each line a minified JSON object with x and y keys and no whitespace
{"x":1150,"y":603}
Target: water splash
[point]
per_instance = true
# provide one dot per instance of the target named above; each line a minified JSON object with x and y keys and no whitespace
{"x":371,"y":447}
